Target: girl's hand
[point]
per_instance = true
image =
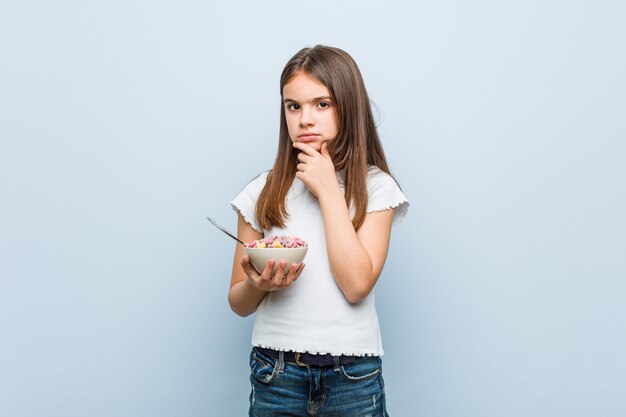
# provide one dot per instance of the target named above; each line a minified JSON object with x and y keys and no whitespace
{"x":316,"y":169}
{"x":283,"y":278}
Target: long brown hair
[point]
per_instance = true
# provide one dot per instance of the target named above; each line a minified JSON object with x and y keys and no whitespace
{"x":356,"y":146}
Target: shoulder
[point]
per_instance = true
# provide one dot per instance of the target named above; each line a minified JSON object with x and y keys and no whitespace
{"x":377,"y":178}
{"x":261,"y":178}
{"x":245,"y":202}
{"x":256,"y":184}
{"x":384,"y":193}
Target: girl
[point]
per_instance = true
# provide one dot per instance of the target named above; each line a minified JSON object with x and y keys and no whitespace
{"x":316,"y":339}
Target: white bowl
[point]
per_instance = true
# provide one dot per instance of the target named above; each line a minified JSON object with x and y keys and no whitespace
{"x":260,"y":256}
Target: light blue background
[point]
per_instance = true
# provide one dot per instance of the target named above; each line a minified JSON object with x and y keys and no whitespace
{"x":124,"y":123}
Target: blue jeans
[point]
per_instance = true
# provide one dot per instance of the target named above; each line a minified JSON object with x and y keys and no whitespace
{"x":286,"y":389}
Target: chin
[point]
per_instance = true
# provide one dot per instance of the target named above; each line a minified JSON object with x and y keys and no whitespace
{"x":315,"y":145}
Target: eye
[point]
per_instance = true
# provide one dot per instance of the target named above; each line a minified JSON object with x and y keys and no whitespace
{"x":293,"y":107}
{"x":323,"y":104}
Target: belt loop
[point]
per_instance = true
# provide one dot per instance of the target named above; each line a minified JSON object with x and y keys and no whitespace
{"x":281,"y":362}
{"x":297,"y":358}
{"x":336,"y":360}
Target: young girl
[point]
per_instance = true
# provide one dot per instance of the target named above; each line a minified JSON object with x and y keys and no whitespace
{"x":316,"y":339}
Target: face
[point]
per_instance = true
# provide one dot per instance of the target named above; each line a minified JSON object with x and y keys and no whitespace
{"x":309,"y":111}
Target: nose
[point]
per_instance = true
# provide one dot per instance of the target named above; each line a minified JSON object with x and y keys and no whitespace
{"x":306,"y":117}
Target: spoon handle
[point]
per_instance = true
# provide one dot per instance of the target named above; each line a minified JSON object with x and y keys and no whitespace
{"x":223,"y":230}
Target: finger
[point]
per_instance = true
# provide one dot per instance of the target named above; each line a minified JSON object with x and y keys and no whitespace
{"x":291,"y":275}
{"x":307,"y":149}
{"x":301,"y":167}
{"x":247,"y":266}
{"x":280,"y":273}
{"x":304,"y":158}
{"x":267,"y":271}
{"x":298,"y":272}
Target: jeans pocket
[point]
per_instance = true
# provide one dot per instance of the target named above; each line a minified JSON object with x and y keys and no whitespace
{"x":362,"y":369}
{"x":262,"y":368}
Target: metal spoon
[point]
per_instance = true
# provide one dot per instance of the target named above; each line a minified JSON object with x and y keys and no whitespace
{"x":223,"y":230}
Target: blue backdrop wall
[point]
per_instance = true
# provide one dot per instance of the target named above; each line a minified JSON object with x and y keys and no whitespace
{"x":124,"y":123}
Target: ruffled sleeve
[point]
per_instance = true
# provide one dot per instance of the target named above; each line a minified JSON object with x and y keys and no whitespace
{"x":245,"y":202}
{"x":384,"y":193}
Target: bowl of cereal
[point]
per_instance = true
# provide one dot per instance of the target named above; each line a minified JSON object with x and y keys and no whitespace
{"x":279,"y":248}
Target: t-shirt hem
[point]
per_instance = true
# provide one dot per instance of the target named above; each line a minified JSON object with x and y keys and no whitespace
{"x":402,"y":207}
{"x":320,"y":352}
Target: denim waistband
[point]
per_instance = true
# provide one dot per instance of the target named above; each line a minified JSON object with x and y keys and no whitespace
{"x":304,"y":359}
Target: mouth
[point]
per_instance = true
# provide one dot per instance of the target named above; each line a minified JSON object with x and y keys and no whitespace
{"x":308,"y":137}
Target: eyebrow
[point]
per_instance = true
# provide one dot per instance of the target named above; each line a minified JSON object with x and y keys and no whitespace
{"x":290,"y":100}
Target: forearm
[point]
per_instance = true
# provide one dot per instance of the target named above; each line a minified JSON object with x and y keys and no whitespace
{"x":244,"y":298}
{"x":350,"y":263}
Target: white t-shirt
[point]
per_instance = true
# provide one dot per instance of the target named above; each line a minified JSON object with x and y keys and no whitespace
{"x":312,"y":315}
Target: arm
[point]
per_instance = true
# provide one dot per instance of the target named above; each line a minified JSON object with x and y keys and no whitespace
{"x":356,"y":258}
{"x":247,"y":286}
